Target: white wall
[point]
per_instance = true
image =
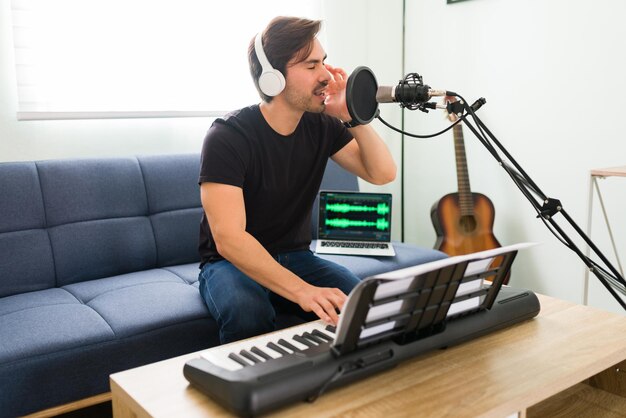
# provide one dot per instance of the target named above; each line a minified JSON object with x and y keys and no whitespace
{"x":553,"y":76}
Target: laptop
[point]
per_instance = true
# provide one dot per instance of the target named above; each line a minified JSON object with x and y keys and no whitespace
{"x":354,"y":223}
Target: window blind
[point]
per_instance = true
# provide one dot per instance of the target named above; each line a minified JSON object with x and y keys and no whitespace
{"x":138,"y":58}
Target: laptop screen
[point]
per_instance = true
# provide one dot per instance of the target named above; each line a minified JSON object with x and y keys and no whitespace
{"x":355,"y":216}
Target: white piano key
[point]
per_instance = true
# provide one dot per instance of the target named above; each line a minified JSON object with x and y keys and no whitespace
{"x":219,"y":355}
{"x":221,"y":360}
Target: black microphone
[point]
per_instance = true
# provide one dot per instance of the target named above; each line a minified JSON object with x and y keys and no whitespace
{"x":363,"y":94}
{"x":407,"y":94}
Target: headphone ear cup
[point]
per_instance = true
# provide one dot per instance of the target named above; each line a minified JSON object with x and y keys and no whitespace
{"x":272,"y":82}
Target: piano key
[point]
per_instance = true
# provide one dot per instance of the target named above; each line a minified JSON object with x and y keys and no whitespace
{"x":304,"y":341}
{"x":288,"y":345}
{"x":248,"y":355}
{"x":260,"y":353}
{"x":331,"y":328}
{"x":220,"y":355}
{"x":322,"y":335}
{"x":315,"y":339}
{"x":238,"y":359}
{"x":224,"y":360}
{"x":278,"y":349}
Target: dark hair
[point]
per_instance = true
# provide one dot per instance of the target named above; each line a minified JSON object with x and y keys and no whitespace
{"x":284,"y":39}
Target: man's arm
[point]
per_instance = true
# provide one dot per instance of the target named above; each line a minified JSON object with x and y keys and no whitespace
{"x":225,"y":210}
{"x":367,"y":155}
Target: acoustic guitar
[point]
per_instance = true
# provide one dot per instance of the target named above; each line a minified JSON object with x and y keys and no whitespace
{"x":463,"y":221}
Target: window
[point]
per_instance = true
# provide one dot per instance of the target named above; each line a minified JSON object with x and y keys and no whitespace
{"x":138,"y":58}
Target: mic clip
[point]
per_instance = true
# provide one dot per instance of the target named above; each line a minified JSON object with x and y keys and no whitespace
{"x":455,"y":108}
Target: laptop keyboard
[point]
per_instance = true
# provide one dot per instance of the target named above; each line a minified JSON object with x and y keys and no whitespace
{"x":350,"y":244}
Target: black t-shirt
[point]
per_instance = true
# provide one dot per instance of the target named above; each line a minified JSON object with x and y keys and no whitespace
{"x":280,"y":175}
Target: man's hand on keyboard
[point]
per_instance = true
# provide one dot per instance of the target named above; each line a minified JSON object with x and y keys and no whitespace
{"x":323,"y":301}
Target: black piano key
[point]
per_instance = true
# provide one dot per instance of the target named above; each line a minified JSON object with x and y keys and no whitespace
{"x":331,"y":328}
{"x":320,"y":334}
{"x":315,"y":339}
{"x":260,"y":353}
{"x":304,"y":341}
{"x":288,"y":345}
{"x":238,"y":359}
{"x":278,"y":349}
{"x":249,"y":356}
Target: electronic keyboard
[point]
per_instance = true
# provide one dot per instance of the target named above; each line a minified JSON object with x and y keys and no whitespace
{"x":260,"y":374}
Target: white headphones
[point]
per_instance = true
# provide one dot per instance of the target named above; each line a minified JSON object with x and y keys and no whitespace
{"x":271,"y":81}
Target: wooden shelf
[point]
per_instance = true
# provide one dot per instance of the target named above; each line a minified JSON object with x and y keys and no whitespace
{"x":581,"y":401}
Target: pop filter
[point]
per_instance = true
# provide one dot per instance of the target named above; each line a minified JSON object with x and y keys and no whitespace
{"x":361,"y":91}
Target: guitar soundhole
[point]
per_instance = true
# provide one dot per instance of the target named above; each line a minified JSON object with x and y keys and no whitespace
{"x":468,"y":223}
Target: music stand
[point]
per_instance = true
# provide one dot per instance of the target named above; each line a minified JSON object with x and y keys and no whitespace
{"x":416,"y":302}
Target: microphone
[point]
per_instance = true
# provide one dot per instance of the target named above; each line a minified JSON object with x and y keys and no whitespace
{"x":407,"y":94}
{"x":411,"y":93}
{"x":363,"y":94}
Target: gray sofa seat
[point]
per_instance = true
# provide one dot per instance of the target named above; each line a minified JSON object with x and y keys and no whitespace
{"x":99,"y":270}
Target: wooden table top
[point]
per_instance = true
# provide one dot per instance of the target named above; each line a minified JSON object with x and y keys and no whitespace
{"x":492,"y":376}
{"x":609,"y":172}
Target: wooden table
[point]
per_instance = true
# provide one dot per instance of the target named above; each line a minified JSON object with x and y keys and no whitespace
{"x":494,"y":376}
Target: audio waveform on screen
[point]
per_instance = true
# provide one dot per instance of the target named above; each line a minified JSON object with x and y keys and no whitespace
{"x":380,"y":223}
{"x":381,"y":208}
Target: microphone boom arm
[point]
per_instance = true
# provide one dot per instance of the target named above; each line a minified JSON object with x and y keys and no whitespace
{"x":547,"y":208}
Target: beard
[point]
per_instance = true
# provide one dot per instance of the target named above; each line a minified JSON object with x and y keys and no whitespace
{"x":306,"y":102}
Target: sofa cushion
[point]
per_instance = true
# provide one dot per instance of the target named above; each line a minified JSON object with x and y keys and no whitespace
{"x":187,"y":272}
{"x":85,"y":292}
{"x":101,"y":248}
{"x":29,"y":300}
{"x":97,"y":217}
{"x":139,"y":302}
{"x":47,"y":321}
{"x":176,"y":236}
{"x":21,"y":204}
{"x":26,"y":262}
{"x":57,"y":378}
{"x":174,"y":205}
{"x":171,"y":181}
{"x":138,"y":309}
{"x":88,"y":189}
{"x":25,"y":254}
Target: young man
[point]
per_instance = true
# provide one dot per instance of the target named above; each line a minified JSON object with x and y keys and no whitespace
{"x":260,"y":173}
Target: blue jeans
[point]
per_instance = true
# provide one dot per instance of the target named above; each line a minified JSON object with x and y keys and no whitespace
{"x":243,"y":308}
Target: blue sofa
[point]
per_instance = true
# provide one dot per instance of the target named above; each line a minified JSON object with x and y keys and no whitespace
{"x":98,"y":272}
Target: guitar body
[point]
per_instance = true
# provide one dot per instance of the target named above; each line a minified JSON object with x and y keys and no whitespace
{"x":463,"y":221}
{"x":459,"y":234}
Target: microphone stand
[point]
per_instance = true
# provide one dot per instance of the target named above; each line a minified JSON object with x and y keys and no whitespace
{"x":547,"y":208}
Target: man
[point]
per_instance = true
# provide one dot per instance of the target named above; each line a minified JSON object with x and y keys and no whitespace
{"x":260,"y":173}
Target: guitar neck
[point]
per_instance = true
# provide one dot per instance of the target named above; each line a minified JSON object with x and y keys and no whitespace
{"x":466,"y":202}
